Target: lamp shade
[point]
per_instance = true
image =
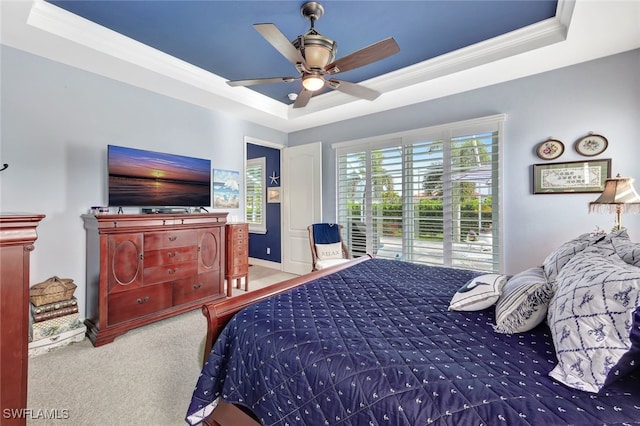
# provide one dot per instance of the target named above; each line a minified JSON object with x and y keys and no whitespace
{"x":618,"y":194}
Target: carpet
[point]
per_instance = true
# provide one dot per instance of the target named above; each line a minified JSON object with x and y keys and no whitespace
{"x":144,"y":377}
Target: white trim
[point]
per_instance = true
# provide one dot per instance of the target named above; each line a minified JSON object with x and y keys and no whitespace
{"x":454,"y":128}
{"x":265,"y":263}
{"x":262,"y":142}
{"x":44,"y":29}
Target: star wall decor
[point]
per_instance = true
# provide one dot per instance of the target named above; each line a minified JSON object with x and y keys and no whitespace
{"x":274,"y":178}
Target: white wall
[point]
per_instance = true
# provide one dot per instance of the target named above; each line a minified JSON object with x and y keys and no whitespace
{"x":56,"y":124}
{"x":601,"y":96}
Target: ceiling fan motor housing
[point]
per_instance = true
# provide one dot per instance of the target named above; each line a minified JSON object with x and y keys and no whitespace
{"x":317,"y":50}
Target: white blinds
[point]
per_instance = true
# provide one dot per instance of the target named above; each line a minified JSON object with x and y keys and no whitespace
{"x":427,"y":196}
{"x":255,"y":194}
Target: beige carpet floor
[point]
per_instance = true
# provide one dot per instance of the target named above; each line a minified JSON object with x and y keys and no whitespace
{"x":144,"y":377}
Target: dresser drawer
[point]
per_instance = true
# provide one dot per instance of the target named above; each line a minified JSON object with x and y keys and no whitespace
{"x":239,"y":251}
{"x":239,"y":260}
{"x":238,"y":231}
{"x":135,"y":303}
{"x":162,"y":273}
{"x":237,"y":269}
{"x":194,"y":288}
{"x":170,"y":256}
{"x":167,"y":239}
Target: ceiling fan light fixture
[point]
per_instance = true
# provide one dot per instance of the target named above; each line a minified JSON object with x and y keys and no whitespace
{"x":317,"y":50}
{"x":313,"y":55}
{"x":313,"y":82}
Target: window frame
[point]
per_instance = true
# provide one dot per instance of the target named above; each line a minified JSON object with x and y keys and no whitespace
{"x":256,"y":226}
{"x":449,"y":133}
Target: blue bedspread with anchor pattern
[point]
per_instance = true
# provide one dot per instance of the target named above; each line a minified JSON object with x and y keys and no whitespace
{"x":375,"y":345}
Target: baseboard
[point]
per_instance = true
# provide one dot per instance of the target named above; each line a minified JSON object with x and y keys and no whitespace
{"x":265,"y":263}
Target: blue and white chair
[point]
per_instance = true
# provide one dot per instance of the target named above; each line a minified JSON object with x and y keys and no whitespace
{"x":327,"y":247}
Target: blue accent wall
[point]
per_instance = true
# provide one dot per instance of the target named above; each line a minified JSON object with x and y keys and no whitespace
{"x":258,"y":243}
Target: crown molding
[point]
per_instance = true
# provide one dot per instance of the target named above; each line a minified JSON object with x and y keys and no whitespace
{"x":46,"y":30}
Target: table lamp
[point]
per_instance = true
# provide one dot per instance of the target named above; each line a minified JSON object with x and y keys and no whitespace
{"x":618,"y":196}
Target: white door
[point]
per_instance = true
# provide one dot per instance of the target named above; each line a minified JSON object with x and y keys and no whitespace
{"x":302,"y":203}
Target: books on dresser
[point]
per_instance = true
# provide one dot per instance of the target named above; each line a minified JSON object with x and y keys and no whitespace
{"x":53,"y":306}
{"x":54,"y":310}
{"x":55,"y":314}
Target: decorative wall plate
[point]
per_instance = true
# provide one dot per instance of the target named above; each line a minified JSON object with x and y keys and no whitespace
{"x":550,"y":149}
{"x":591,"y":145}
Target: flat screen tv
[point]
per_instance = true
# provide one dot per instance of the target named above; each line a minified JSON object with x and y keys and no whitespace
{"x":139,"y":178}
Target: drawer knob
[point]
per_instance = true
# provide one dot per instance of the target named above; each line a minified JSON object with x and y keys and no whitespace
{"x":145,"y":300}
{"x":197,"y":286}
{"x":173,"y":238}
{"x":172,"y":271}
{"x":172,"y":254}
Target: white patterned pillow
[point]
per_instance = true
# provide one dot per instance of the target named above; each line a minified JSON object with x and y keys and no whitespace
{"x":554,"y":262}
{"x":625,"y":248}
{"x":329,"y":251}
{"x":591,"y":318}
{"x":523,"y":303}
{"x":478,"y":293}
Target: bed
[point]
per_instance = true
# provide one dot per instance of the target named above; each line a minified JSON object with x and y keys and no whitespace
{"x":377,"y":342}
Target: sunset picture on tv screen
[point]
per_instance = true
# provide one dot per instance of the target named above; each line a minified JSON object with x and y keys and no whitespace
{"x":146,"y":178}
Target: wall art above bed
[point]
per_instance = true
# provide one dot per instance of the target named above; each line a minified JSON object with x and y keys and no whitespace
{"x":591,"y":145}
{"x":571,"y":177}
{"x":550,"y":149}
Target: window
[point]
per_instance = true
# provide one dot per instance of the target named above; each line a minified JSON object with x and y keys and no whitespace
{"x":255,"y":195}
{"x":426,"y":196}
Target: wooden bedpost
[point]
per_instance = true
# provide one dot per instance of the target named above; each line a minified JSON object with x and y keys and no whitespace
{"x":209,"y":312}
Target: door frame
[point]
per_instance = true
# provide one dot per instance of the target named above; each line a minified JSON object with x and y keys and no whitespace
{"x":279,"y":147}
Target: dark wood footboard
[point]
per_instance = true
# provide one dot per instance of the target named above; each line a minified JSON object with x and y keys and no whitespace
{"x":219,"y":312}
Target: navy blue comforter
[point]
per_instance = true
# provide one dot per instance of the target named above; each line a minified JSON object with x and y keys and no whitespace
{"x":375,"y":345}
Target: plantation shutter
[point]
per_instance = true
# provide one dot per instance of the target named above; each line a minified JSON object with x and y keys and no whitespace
{"x":255,"y":195}
{"x":428,"y":196}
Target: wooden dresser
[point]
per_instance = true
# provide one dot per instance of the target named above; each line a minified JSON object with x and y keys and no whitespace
{"x":147,"y":267}
{"x":17,"y":235}
{"x":237,"y":256}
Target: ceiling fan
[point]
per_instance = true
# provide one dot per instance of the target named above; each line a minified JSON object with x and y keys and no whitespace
{"x":313,"y":56}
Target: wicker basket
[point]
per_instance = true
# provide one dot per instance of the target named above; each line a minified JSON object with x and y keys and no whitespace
{"x":52,"y":290}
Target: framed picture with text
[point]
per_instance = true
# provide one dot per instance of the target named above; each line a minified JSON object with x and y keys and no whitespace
{"x":571,"y":177}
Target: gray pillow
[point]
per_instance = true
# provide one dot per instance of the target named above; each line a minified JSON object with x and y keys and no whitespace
{"x":523,"y":302}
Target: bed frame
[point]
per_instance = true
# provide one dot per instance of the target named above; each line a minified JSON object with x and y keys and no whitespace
{"x":219,"y":313}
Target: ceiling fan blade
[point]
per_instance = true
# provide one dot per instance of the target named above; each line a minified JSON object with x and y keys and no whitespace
{"x":280,"y":42}
{"x":364,"y":56}
{"x":353,"y":89}
{"x":254,"y":81}
{"x":303,"y":98}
